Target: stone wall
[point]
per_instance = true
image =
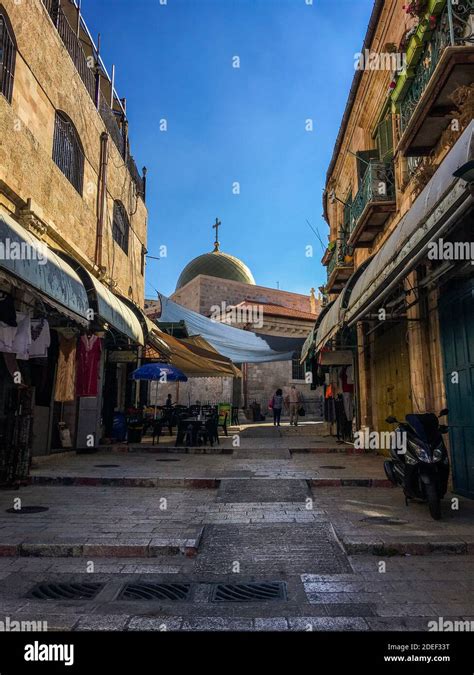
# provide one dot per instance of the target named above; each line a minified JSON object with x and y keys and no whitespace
{"x":204,"y":291}
{"x":46,"y":80}
{"x":204,"y":389}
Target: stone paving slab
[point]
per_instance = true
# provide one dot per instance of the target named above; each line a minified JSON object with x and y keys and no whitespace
{"x":412,"y":532}
{"x":269,"y":549}
{"x":100,"y":522}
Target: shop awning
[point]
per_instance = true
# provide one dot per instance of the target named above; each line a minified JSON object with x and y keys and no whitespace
{"x":241,"y":346}
{"x":119,"y":313}
{"x":308,"y":344}
{"x":330,"y":323}
{"x":154,"y":339}
{"x":442,"y":201}
{"x":193,"y":364}
{"x":201,"y":347}
{"x":34,"y":263}
{"x":116,"y":313}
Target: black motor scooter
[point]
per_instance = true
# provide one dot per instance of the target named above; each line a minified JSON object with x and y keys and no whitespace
{"x":421,"y":465}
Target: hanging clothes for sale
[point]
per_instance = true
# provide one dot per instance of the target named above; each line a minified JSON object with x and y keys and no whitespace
{"x":22,"y":339}
{"x":66,"y":371}
{"x":40,"y":339}
{"x":43,"y":373}
{"x":347,"y":385}
{"x":89,"y":350}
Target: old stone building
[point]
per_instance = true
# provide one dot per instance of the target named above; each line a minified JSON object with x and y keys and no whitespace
{"x":398,"y":187}
{"x":220,"y":286}
{"x":69,"y":188}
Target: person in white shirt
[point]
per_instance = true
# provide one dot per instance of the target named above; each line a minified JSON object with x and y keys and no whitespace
{"x":293,"y":400}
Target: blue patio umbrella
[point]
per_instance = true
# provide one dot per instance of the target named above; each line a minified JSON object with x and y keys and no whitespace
{"x":160,"y":372}
{"x":164,"y":372}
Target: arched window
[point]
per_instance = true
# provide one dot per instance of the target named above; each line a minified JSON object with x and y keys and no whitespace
{"x":7,"y":56}
{"x":120,"y":226}
{"x":67,"y":150}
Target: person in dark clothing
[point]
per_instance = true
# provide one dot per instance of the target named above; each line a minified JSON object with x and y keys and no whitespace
{"x":277,"y":405}
{"x":169,"y":401}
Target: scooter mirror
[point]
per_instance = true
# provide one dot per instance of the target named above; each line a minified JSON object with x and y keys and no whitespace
{"x":443,"y":412}
{"x":391,"y":420}
{"x":443,"y":428}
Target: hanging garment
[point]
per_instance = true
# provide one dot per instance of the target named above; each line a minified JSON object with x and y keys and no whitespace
{"x":350,"y":375}
{"x":66,"y":370}
{"x":329,"y":410}
{"x":348,"y":405}
{"x":7,"y":310}
{"x":346,"y":387}
{"x":22,"y":340}
{"x":40,"y":338}
{"x":89,"y":350}
{"x":7,"y":335}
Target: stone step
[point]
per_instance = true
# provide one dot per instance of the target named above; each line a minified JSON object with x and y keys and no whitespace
{"x":144,"y":547}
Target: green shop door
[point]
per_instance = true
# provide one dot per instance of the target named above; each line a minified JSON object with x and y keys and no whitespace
{"x":456,"y":311}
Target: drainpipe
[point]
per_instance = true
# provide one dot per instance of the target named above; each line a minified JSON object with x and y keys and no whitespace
{"x":101,"y":197}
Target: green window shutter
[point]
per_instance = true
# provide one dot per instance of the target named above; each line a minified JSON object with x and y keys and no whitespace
{"x":385,"y":139}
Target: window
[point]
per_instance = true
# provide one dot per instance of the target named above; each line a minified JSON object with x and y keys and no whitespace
{"x":7,"y":56}
{"x":297,"y":368}
{"x":120,"y":226}
{"x":67,"y":150}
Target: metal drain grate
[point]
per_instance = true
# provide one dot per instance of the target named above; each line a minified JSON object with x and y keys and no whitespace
{"x":150,"y":591}
{"x":28,"y":509}
{"x":384,"y":520}
{"x":251,"y":592}
{"x":331,"y":466}
{"x":168,"y":460}
{"x":65,"y":591}
{"x":106,"y":466}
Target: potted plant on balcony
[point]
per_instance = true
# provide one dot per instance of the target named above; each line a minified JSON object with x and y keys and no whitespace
{"x":415,"y":8}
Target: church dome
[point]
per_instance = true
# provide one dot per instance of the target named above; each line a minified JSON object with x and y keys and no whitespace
{"x":216,"y":264}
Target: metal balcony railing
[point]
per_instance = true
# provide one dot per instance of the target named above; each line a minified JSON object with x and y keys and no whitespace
{"x":72,"y":44}
{"x":455,"y":27}
{"x":112,"y":125}
{"x":339,"y":254}
{"x":88,"y":76}
{"x":378,"y":185}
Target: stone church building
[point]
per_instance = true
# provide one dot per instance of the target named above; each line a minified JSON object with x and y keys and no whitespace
{"x":220,"y":286}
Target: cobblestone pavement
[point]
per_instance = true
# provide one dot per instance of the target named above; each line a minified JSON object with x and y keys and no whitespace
{"x":243,"y":463}
{"x":261,"y":518}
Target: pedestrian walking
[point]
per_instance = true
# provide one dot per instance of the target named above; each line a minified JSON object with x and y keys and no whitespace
{"x":293,"y":400}
{"x":276,"y":404}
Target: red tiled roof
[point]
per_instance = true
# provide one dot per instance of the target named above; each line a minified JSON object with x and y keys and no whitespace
{"x":278,"y":310}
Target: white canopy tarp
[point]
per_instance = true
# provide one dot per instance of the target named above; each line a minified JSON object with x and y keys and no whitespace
{"x":241,"y":346}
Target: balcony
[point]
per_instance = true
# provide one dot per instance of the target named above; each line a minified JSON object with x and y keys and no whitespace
{"x":372,"y":204}
{"x":64,"y":15}
{"x":339,"y":267}
{"x":446,"y":62}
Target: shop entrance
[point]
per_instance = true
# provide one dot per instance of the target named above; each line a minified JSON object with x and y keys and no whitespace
{"x":391,"y":376}
{"x":456,"y":313}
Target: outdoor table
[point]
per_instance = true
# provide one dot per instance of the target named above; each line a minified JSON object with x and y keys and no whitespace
{"x":182,"y":428}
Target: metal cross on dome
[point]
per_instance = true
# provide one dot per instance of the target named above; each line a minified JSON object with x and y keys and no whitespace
{"x":216,"y":226}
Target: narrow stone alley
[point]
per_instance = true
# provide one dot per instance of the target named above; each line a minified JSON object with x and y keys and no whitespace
{"x":285,"y":532}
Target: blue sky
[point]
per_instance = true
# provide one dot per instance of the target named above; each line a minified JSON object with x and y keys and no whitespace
{"x":228,"y":125}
